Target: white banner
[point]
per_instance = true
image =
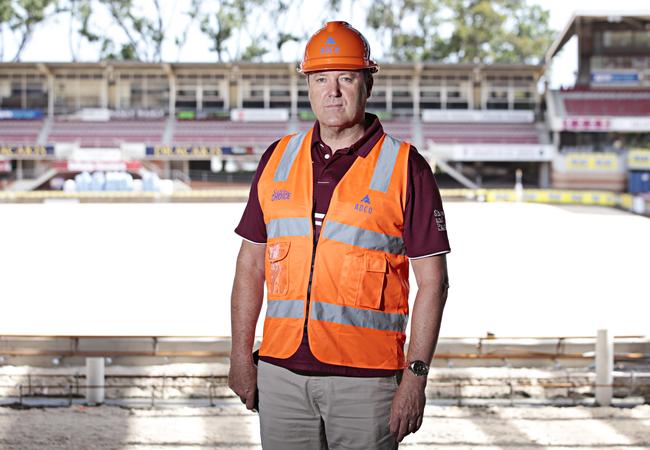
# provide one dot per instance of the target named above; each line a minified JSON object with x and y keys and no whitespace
{"x":486,"y":116}
{"x":5,"y":166}
{"x":494,"y":152}
{"x":259,"y":115}
{"x":632,"y":124}
{"x":94,"y":115}
{"x":93,"y":166}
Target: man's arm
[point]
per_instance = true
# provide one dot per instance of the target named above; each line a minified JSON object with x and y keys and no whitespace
{"x":245,"y":305}
{"x":407,"y":410}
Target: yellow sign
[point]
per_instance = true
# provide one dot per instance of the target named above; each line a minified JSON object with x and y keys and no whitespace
{"x":592,"y":162}
{"x":181,"y":151}
{"x":26,"y":151}
{"x":638,"y":159}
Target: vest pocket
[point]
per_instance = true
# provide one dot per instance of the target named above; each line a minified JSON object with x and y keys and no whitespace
{"x":277,"y":281}
{"x":372,"y":281}
{"x":362,"y":280}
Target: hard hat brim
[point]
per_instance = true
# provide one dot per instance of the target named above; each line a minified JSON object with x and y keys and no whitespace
{"x":338,"y":64}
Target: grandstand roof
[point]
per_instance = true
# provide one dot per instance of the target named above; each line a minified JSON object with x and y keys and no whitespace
{"x":637,"y":19}
{"x":46,"y":67}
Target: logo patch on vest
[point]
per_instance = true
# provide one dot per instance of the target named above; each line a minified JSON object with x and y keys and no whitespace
{"x":364,"y":205}
{"x":280,"y":195}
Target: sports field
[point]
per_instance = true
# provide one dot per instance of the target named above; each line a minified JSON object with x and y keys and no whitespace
{"x":166,"y":269}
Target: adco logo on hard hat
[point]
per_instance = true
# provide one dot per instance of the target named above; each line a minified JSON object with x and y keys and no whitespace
{"x":337,"y":46}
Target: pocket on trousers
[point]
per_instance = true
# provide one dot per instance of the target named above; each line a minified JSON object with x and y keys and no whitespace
{"x":277,"y":281}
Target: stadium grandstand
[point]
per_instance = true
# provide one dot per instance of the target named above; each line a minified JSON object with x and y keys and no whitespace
{"x":201,"y":124}
{"x":601,"y":126}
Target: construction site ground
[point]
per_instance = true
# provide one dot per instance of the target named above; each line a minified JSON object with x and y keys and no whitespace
{"x":230,"y":426}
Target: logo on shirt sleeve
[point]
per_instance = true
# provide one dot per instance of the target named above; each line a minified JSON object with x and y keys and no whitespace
{"x":440,"y":220}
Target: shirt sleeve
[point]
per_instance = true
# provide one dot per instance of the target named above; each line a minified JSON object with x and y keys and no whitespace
{"x":425,"y":228}
{"x":251,"y":226}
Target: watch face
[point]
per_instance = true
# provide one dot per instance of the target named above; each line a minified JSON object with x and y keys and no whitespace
{"x":419,"y":367}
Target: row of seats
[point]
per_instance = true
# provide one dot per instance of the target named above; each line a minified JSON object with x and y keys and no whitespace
{"x":606,"y":102}
{"x":606,"y":107}
{"x":19,"y":132}
{"x":107,"y":134}
{"x":253,"y":134}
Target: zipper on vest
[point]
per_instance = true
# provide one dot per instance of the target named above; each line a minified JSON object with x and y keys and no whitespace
{"x":311,"y":275}
{"x":313,"y":260}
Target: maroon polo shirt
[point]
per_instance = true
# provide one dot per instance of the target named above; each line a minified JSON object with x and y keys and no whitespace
{"x":424,"y":232}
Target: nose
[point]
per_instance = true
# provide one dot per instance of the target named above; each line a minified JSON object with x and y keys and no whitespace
{"x":333,"y":88}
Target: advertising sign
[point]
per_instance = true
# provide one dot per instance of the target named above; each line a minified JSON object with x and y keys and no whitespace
{"x":20,"y":114}
{"x":27,"y":151}
{"x":487,"y":116}
{"x":493,"y":152}
{"x":638,"y":159}
{"x":587,"y":124}
{"x":192,"y":152}
{"x":259,"y":115}
{"x":592,"y":162}
{"x":615,"y":78}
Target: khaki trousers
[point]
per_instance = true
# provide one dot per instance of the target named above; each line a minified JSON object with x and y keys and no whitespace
{"x":318,"y":413}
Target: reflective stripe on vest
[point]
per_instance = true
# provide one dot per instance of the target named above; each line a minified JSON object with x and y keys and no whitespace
{"x":289,"y":156}
{"x":288,"y":226}
{"x":361,"y":237}
{"x":285,"y":309}
{"x":348,"y":315}
{"x":385,"y":164}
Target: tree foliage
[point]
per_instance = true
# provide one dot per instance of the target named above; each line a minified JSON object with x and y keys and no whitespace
{"x":466,"y":31}
{"x":23,"y":17}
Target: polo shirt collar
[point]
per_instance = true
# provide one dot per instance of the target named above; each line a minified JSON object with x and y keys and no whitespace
{"x":373,"y":132}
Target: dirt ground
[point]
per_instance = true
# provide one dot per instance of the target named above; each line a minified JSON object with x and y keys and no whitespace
{"x":231,"y":426}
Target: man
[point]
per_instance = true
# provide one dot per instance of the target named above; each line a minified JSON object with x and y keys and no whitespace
{"x":334,"y":216}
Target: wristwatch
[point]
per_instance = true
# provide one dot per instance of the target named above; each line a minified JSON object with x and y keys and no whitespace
{"x":419,"y":368}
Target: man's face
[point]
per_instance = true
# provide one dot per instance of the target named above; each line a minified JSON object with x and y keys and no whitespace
{"x":338,"y":98}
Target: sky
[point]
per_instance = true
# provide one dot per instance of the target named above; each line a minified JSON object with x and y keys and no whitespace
{"x":51,"y":42}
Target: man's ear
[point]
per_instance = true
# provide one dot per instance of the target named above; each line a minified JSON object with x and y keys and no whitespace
{"x":369,"y":82}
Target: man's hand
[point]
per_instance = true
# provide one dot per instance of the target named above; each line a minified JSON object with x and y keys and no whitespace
{"x":245,"y":305}
{"x":242,"y":379}
{"x":407,"y":410}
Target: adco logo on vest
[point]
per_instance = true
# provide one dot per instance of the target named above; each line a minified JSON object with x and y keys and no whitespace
{"x":364,"y":205}
{"x":280,"y":195}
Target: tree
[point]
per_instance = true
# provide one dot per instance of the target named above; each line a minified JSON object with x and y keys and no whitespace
{"x":6,"y":13}
{"x":401,"y":41}
{"x":234,"y":19}
{"x":80,"y":14}
{"x":464,"y":31}
{"x":24,"y":17}
{"x":497,"y":31}
{"x":144,"y":35}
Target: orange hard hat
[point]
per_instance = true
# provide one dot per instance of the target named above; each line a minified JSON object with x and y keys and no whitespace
{"x":337,"y":46}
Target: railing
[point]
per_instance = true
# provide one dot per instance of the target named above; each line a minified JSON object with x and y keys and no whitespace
{"x":215,"y":385}
{"x":14,"y":345}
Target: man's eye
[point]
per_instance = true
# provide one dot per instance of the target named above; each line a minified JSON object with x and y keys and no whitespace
{"x":347,"y":79}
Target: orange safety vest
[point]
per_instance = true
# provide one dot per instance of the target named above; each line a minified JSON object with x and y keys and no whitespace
{"x":358,"y":308}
